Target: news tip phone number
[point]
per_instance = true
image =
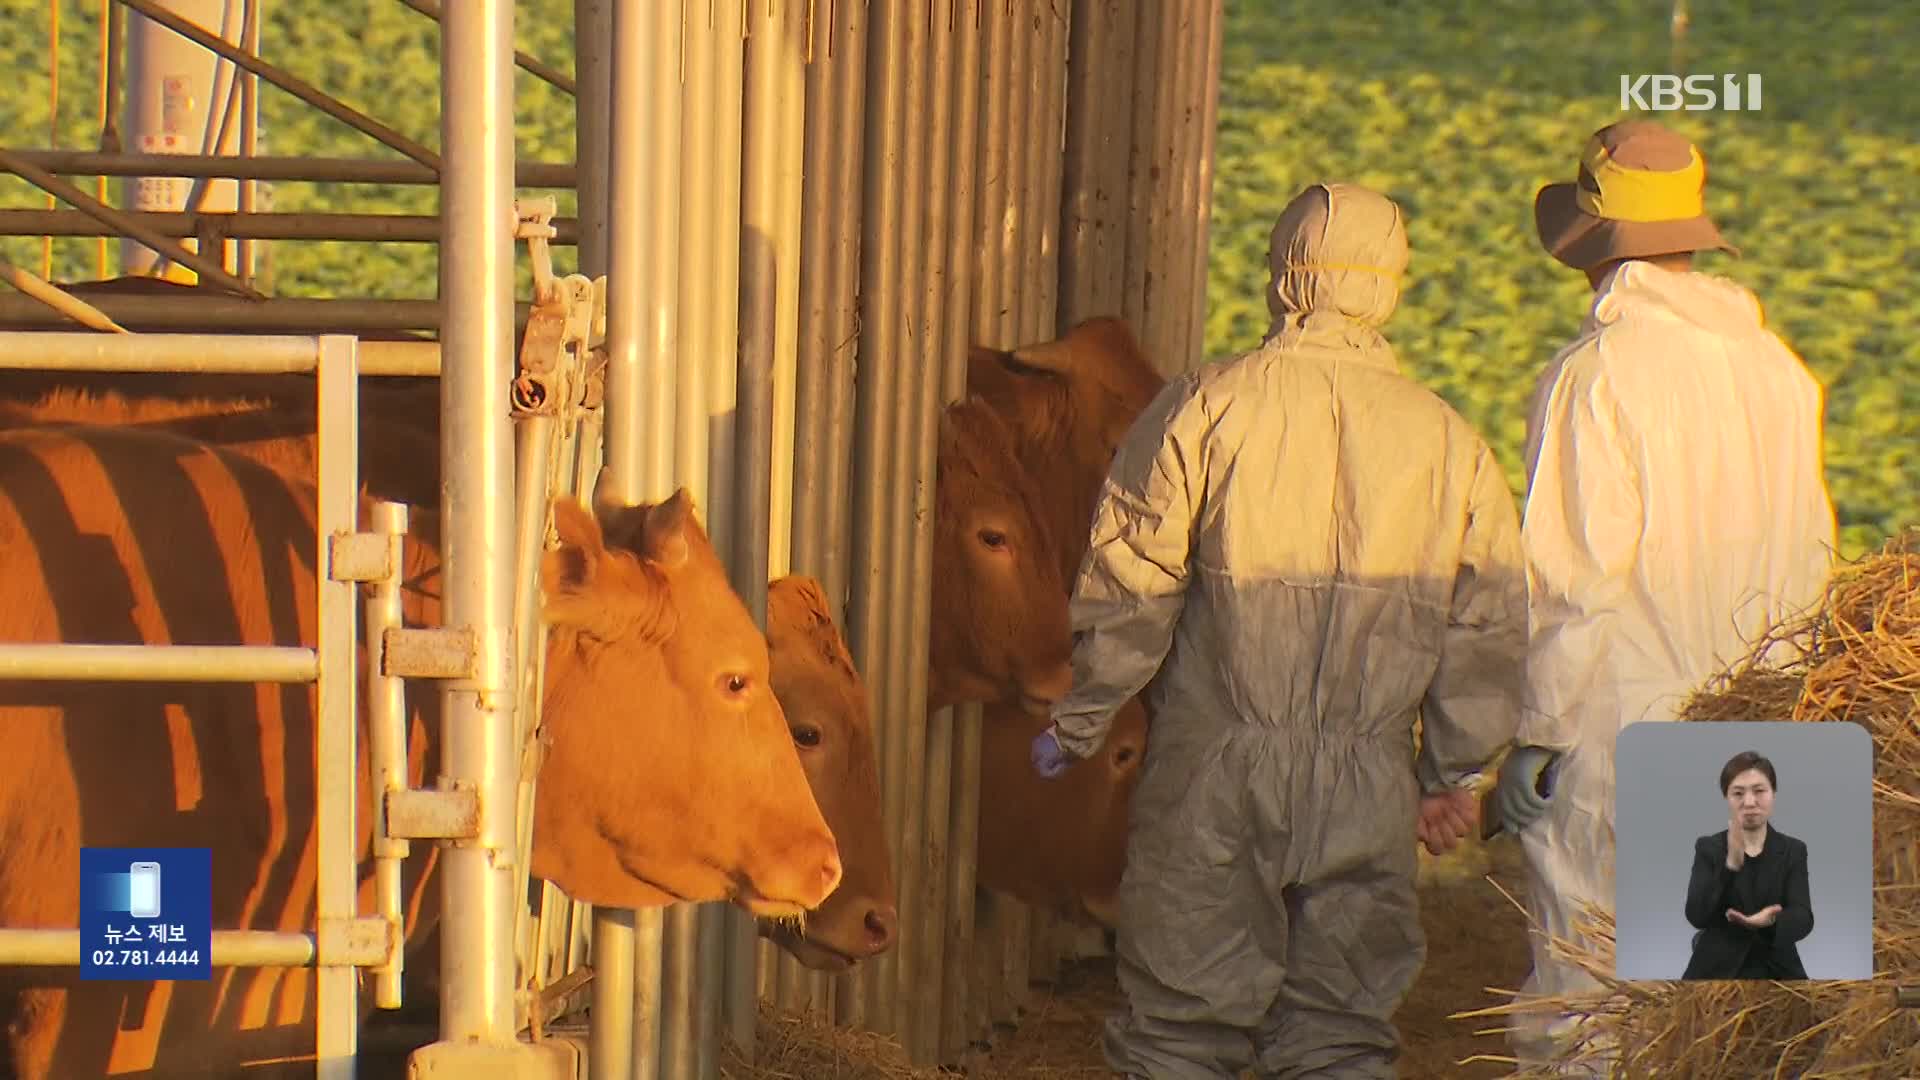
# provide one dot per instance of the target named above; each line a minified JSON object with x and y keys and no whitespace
{"x":145,"y":957}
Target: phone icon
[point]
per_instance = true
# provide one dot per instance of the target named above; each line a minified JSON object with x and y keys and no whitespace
{"x":143,"y":890}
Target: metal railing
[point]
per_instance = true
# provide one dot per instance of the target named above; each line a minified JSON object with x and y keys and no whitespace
{"x":341,"y":941}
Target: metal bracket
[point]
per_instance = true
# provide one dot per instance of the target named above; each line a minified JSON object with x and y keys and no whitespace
{"x":353,"y":942}
{"x":415,"y":814}
{"x":1907,"y":997}
{"x":412,"y":653}
{"x":359,"y":557}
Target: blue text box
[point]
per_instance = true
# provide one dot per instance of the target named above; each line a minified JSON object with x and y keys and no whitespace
{"x":146,"y":913}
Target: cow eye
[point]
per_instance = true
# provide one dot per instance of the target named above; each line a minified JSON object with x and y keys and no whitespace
{"x":807,"y":736}
{"x":993,"y":538}
{"x":735,"y":684}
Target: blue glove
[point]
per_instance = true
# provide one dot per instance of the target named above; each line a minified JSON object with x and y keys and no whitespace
{"x":1049,"y":760}
{"x":1525,"y":786}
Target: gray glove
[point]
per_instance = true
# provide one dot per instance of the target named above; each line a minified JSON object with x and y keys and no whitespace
{"x":1525,"y":786}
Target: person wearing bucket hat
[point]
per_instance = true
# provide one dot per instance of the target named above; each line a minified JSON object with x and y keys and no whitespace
{"x":1300,"y":549}
{"x":1676,"y":509}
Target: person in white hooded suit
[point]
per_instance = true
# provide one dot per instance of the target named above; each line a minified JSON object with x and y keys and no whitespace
{"x":1302,"y":550}
{"x":1676,"y":510}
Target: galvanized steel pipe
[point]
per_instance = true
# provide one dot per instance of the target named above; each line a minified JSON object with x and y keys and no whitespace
{"x":477,"y":274}
{"x":231,"y":948}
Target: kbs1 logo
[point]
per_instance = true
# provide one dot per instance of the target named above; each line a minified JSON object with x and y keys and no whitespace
{"x":1698,"y":92}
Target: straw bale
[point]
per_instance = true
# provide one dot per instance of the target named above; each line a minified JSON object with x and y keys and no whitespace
{"x":1858,"y":662}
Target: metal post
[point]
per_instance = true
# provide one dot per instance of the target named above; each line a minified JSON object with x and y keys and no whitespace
{"x":639,"y":461}
{"x":387,"y":748}
{"x":477,"y":287}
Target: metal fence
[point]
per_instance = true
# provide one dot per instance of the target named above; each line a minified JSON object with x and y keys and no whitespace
{"x":799,"y":217}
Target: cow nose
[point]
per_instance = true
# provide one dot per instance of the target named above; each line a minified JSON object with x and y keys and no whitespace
{"x":881,"y":924}
{"x":830,"y":871}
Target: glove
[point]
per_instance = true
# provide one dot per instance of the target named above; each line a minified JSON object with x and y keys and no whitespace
{"x":1523,"y":790}
{"x":1049,"y":759}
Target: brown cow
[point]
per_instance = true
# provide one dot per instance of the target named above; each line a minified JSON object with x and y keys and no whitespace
{"x":1061,"y":844}
{"x":655,"y":670}
{"x":1068,"y":404}
{"x":815,"y":684}
{"x":999,"y":631}
{"x":826,"y":705}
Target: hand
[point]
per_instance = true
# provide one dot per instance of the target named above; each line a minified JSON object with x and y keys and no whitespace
{"x":1756,"y":921}
{"x":1519,"y":794}
{"x":1736,"y":844}
{"x":1445,"y":818}
{"x":1049,"y":759}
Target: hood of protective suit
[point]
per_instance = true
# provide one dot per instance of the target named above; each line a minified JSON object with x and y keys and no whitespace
{"x":1337,"y":250}
{"x":1710,"y":303}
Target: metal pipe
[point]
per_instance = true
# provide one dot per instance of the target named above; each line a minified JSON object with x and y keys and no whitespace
{"x":231,"y":948}
{"x":829,"y":254}
{"x":316,"y":170}
{"x":878,"y":516}
{"x":544,"y":72}
{"x":306,"y":92}
{"x":693,"y":968}
{"x":203,"y":354}
{"x":646,"y":1006}
{"x":739,"y":399}
{"x":723,"y":239}
{"x":592,"y":66}
{"x":58,"y":299}
{"x":477,"y":284}
{"x":611,"y":1037}
{"x":250,"y":139}
{"x":387,"y":750}
{"x":929,"y":169}
{"x":160,"y":663}
{"x":639,"y":425}
{"x":1140,"y":159}
{"x":1164,"y":310}
{"x":376,"y":228}
{"x":949,"y":802}
{"x":1202,"y":208}
{"x":534,"y":466}
{"x":1085,"y":202}
{"x":337,"y":429}
{"x":198,"y":311}
{"x":125,"y":224}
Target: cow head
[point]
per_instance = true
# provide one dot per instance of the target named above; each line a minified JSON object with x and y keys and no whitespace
{"x":670,"y":774}
{"x":1068,"y":403}
{"x":826,"y":706}
{"x":999,"y":630}
{"x":1061,"y":844}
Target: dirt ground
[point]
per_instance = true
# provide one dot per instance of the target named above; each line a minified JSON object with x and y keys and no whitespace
{"x":1476,"y":947}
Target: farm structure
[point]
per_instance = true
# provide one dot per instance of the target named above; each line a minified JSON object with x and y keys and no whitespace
{"x":795,"y":220}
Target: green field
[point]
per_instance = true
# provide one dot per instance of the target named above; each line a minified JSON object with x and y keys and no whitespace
{"x":1458,"y":110}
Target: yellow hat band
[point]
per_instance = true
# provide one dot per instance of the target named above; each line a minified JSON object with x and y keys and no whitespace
{"x":1628,"y":194}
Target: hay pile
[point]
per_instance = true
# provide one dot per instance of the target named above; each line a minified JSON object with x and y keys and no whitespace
{"x":1861,"y":665}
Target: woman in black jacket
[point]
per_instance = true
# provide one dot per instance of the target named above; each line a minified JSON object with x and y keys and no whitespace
{"x":1748,"y":894}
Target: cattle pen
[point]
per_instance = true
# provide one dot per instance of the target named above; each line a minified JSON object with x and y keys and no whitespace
{"x":794,"y":219}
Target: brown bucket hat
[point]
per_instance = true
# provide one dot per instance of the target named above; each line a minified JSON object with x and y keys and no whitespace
{"x":1641,"y":193}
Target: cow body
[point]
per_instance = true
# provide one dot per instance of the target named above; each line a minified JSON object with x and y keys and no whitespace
{"x":132,"y":537}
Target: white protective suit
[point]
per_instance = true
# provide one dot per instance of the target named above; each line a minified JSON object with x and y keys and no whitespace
{"x":1676,"y":510}
{"x":1319,"y":549}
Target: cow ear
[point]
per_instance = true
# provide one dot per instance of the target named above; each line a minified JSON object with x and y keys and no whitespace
{"x":665,"y":536}
{"x":799,"y":600}
{"x":575,"y":564}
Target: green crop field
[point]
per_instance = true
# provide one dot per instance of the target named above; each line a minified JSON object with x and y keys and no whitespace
{"x":1458,"y":110}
